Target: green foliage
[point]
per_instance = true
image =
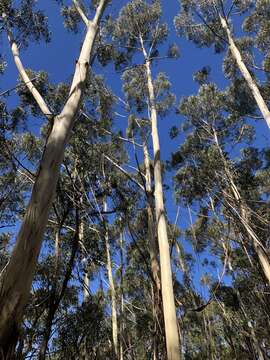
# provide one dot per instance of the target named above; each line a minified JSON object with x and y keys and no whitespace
{"x":3,"y":65}
{"x":71,"y":18}
{"x":27,"y":24}
{"x":201,"y":76}
{"x":191,"y":23}
{"x":140,"y":18}
{"x":173,"y":51}
{"x":258,"y":23}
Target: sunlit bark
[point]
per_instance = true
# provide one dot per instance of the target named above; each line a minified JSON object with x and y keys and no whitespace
{"x":246,"y":74}
{"x":17,"y":279}
{"x":169,"y":310}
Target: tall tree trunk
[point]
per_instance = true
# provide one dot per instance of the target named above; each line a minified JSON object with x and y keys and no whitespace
{"x":245,"y":73}
{"x":169,"y":310}
{"x":243,"y":216}
{"x":210,"y":338}
{"x":121,"y":334}
{"x":256,"y":343}
{"x":153,"y":251}
{"x":86,"y":268}
{"x":84,"y":351}
{"x":112,"y":290}
{"x":249,"y":329}
{"x":17,"y":279}
{"x":257,"y":246}
{"x":47,"y":331}
{"x":151,"y":224}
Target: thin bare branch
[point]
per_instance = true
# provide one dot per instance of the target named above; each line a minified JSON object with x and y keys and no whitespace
{"x":8,"y":91}
{"x":124,"y":172}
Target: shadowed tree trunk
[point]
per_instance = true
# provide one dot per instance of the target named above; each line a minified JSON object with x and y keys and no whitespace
{"x":86,"y":285}
{"x":151,"y":224}
{"x":152,"y":246}
{"x":55,"y":299}
{"x":112,"y":289}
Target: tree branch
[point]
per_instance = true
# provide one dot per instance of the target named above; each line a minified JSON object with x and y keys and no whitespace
{"x":27,"y":81}
{"x":124,"y":172}
{"x":16,"y":87}
{"x":81,"y":12}
{"x":99,"y":11}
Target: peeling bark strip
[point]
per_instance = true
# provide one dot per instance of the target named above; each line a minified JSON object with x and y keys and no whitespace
{"x":246,"y":74}
{"x":16,"y":281}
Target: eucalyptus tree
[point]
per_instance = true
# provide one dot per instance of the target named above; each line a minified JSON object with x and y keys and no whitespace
{"x":73,"y":241}
{"x":105,"y":186}
{"x":238,"y":192}
{"x":142,"y":330}
{"x":139,"y":30}
{"x":210,"y":23}
{"x":227,"y":192}
{"x":93,"y":177}
{"x":22,"y":24}
{"x":139,"y":128}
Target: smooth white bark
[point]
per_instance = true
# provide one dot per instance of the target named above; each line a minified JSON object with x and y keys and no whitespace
{"x":17,"y":279}
{"x":80,"y":11}
{"x":246,"y":74}
{"x":169,"y":310}
{"x":25,"y":78}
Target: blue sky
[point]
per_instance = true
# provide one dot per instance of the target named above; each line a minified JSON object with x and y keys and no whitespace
{"x":59,"y":56}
